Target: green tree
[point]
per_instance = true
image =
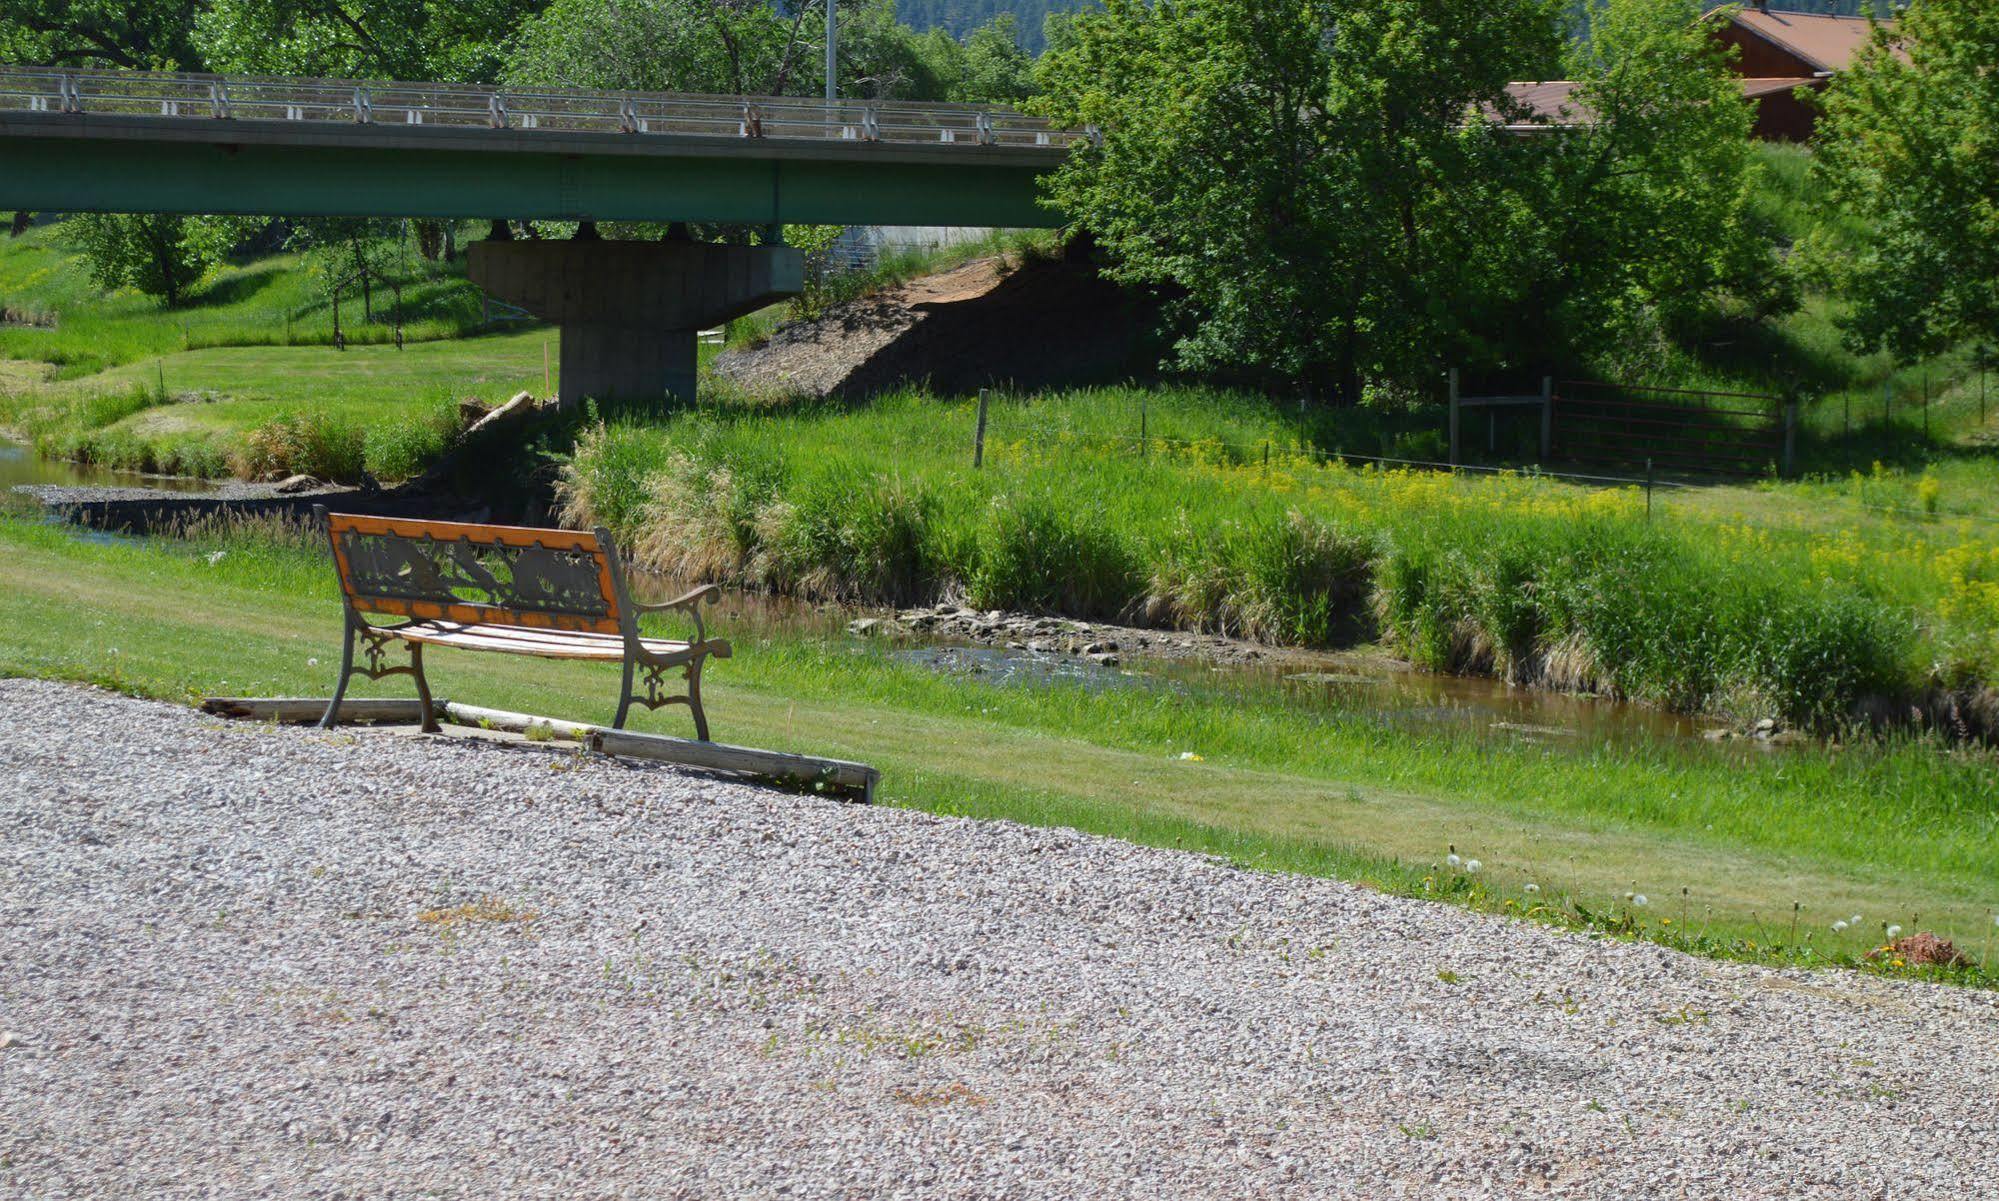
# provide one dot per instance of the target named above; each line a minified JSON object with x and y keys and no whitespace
{"x":1311,"y":172}
{"x":159,"y":254}
{"x":448,"y":40}
{"x":99,"y":33}
{"x":732,"y":47}
{"x":995,"y":68}
{"x":1639,"y":212}
{"x":1909,"y":143}
{"x":350,"y":256}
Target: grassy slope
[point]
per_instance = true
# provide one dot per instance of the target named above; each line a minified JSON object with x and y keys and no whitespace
{"x":1889,"y":832}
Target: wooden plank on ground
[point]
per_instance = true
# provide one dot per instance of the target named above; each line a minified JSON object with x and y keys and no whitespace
{"x":803,"y":771}
{"x":307,"y":709}
{"x":799,"y":770}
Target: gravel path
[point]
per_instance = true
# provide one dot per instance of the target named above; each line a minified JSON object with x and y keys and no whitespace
{"x":240,"y":960}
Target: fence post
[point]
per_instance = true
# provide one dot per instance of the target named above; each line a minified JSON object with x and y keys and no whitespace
{"x":1984,"y":362}
{"x":979,"y":438}
{"x":1887,"y":403}
{"x":1547,"y":418}
{"x":1648,"y":489}
{"x":1454,"y":416}
{"x":1846,"y":416}
{"x":1142,"y":435}
{"x":1266,"y":458}
{"x":1790,"y":463}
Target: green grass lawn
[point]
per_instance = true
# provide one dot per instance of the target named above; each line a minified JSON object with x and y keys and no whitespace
{"x":59,"y":315}
{"x":1900,"y":832}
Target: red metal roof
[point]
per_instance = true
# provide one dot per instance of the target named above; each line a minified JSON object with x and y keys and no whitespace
{"x":1824,"y":42}
{"x":1553,"y":99}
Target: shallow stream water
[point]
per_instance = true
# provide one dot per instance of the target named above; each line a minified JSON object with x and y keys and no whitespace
{"x":20,"y":466}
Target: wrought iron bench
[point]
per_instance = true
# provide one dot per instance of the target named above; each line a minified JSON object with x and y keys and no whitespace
{"x":553,"y":594}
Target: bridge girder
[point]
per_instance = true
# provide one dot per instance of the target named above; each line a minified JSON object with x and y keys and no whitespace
{"x":60,"y":162}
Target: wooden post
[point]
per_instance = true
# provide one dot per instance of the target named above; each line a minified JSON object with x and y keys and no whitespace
{"x":1926,"y":406}
{"x":1547,"y":418}
{"x":979,"y":436}
{"x":1648,"y":489}
{"x":1142,"y":434}
{"x":1887,"y":403}
{"x":1846,"y":415}
{"x":1789,"y":465}
{"x":1454,"y":416}
{"x":1984,"y":362}
{"x":547,"y":375}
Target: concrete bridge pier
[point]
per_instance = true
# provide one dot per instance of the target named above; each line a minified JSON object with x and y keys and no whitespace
{"x":631,"y":312}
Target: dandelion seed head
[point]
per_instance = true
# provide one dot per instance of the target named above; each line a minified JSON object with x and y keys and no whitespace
{"x":1472,"y":865}
{"x":1839,"y":925}
{"x":1452,"y":859}
{"x":1894,"y":931}
{"x":1640,"y":900}
{"x":1533,"y":887}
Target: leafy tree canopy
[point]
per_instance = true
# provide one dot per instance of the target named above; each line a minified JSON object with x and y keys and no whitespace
{"x":458,"y":41}
{"x":1331,"y":184}
{"x":158,"y":254}
{"x":1911,"y":146}
{"x":99,"y":33}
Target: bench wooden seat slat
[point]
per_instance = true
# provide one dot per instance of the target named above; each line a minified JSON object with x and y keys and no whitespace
{"x":547,"y":644}
{"x":549,"y":594}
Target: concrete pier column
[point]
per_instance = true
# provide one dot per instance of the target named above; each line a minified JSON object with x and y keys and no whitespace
{"x":630,"y":312}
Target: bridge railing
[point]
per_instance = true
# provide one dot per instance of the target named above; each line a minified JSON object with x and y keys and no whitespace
{"x":253,"y":98}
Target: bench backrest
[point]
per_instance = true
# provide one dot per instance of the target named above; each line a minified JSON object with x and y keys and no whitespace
{"x":478,"y":574}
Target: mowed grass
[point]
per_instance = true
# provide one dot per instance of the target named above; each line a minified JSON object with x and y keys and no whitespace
{"x":59,"y":315}
{"x":200,"y":412}
{"x":1900,"y":832}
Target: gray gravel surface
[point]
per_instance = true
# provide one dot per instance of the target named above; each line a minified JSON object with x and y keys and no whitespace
{"x":244,"y":961}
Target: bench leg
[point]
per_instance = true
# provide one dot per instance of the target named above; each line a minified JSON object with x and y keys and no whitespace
{"x":430,"y":725}
{"x":624,"y":697}
{"x":694,"y":700}
{"x":340,"y":689}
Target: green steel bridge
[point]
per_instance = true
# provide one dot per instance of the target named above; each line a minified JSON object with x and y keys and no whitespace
{"x":134,"y":141}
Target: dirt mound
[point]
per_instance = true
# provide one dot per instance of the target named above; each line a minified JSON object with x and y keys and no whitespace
{"x":1041,"y":324}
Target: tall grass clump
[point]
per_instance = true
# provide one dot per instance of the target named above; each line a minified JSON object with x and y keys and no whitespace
{"x":1284,"y":577}
{"x":847,"y":532}
{"x":1028,"y":550}
{"x":313,"y":444}
{"x":399,"y":446}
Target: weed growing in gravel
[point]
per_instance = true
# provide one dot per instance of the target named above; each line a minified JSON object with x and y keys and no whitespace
{"x":931,"y":1098}
{"x":485,"y":909}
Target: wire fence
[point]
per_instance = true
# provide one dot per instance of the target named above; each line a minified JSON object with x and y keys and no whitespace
{"x":1271,"y":450}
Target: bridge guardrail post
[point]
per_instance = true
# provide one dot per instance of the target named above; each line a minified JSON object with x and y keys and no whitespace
{"x":364,"y":108}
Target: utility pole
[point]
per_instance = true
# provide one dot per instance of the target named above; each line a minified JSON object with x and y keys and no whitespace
{"x":832,"y":52}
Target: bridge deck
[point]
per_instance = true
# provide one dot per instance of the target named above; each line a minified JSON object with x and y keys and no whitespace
{"x":150,"y":141}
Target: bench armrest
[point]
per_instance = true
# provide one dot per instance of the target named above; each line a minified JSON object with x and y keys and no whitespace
{"x":690,"y":603}
{"x":706,"y":592}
